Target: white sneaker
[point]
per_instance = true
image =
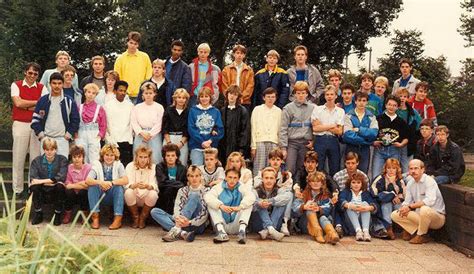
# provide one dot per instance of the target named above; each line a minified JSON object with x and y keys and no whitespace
{"x":367,"y":237}
{"x":263,"y":233}
{"x":284,"y":228}
{"x":274,"y":234}
{"x":359,"y":235}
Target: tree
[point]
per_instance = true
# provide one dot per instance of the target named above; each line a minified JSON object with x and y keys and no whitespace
{"x":467,"y":22}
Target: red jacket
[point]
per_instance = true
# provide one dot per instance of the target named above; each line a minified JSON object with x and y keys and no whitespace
{"x":425,"y":108}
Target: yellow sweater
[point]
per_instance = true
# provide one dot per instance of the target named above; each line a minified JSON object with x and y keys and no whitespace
{"x":265,"y":123}
{"x":133,"y":68}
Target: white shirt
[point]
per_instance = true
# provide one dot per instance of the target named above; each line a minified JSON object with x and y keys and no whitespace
{"x":15,"y":90}
{"x":119,"y":128}
{"x":326,"y":116}
{"x":425,"y":190}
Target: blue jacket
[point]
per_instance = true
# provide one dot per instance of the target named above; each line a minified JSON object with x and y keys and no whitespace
{"x":346,"y":196}
{"x":278,"y":80}
{"x":201,"y":123}
{"x":383,"y":193}
{"x":69,"y":113}
{"x":368,"y":129}
{"x":375,"y":104}
{"x":180,"y":74}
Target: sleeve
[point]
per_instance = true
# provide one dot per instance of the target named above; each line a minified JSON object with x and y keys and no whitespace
{"x":285,"y":120}
{"x":152,"y":178}
{"x":44,"y":79}
{"x":177,"y":200}
{"x":430,"y":193}
{"x":69,"y":176}
{"x":166,"y":122}
{"x":248,"y":197}
{"x":211,"y":197}
{"x":408,"y":196}
{"x":130,"y":172}
{"x":253,"y":129}
{"x":257,"y":180}
{"x":74,"y":119}
{"x":319,"y":84}
{"x":370,"y":134}
{"x":225,"y":79}
{"x":156,"y":129}
{"x":118,"y":66}
{"x":244,"y":130}
{"x":248,"y":90}
{"x":325,"y":208}
{"x":92,"y":174}
{"x":350,"y":136}
{"x":193,"y":131}
{"x":14,"y":90}
{"x":341,"y":114}
{"x":368,"y":198}
{"x":102,"y":123}
{"x":120,"y":170}
{"x":285,"y":90}
{"x":134,"y":120}
{"x":220,"y":174}
{"x":220,"y":128}
{"x":60,"y":177}
{"x":403,"y":131}
{"x":297,"y":207}
{"x":343,"y":199}
{"x":457,"y":164}
{"x":35,"y":168}
{"x":187,"y":80}
{"x":315,"y":114}
{"x":149,"y":70}
{"x":282,"y":198}
{"x":201,"y":218}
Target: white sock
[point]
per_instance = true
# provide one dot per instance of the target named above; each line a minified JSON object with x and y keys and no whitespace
{"x":177,"y":229}
{"x":220,"y":227}
{"x":271,"y":229}
{"x":242,"y":227}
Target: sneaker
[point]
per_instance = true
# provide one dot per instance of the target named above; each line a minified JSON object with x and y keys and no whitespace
{"x":359,"y":235}
{"x":381,"y":234}
{"x":339,"y":231}
{"x":221,"y":237}
{"x":171,"y":236}
{"x":57,"y":218}
{"x":284,"y":228}
{"x":37,"y":218}
{"x":242,"y":237}
{"x":188,"y":236}
{"x":367,"y":237}
{"x":275,"y":235}
{"x":263,"y":234}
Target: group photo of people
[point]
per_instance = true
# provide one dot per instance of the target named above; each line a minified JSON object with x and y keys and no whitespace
{"x":196,"y":148}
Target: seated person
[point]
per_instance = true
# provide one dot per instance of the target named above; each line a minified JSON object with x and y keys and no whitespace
{"x":423,"y":208}
{"x":76,"y":187}
{"x":387,"y":189}
{"x":357,"y":204}
{"x":190,"y":211}
{"x":316,"y":205}
{"x":108,"y":177}
{"x":212,"y":171}
{"x":230,"y":205}
{"x":171,"y":176}
{"x":446,"y":163}
{"x":270,"y":206}
{"x":48,"y":174}
{"x":141,"y":190}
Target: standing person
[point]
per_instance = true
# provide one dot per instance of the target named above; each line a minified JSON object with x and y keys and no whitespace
{"x":133,"y":65}
{"x":230,"y":205}
{"x":175,"y":124}
{"x":146,"y":120}
{"x":25,"y":95}
{"x":142,"y":189}
{"x":93,"y":124}
{"x":106,"y":179}
{"x":204,"y":74}
{"x":48,"y":174}
{"x":301,"y":71}
{"x":176,"y":69}
{"x":62,"y":60}
{"x":335,"y":79}
{"x":421,"y":103}
{"x":427,"y":141}
{"x":423,"y":208}
{"x":56,"y":116}
{"x":347,"y":94}
{"x":380,"y":87}
{"x":68,"y":89}
{"x":97,"y":76}
{"x":190,"y":211}
{"x":392,"y":136}
{"x":407,"y":80}
{"x":271,"y":76}
{"x":164,"y":87}
{"x":204,"y":126}
{"x":108,"y":92}
{"x":446,"y":162}
{"x":265,"y":129}
{"x":119,"y":130}
{"x":360,"y":131}
{"x":295,"y":132}
{"x":236,"y":120}
{"x":240,"y":74}
{"x":327,"y":123}
{"x":375,"y":104}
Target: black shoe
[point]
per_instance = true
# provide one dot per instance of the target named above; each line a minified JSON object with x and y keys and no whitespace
{"x":381,"y":234}
{"x":57,"y":218}
{"x":242,"y":237}
{"x":37,"y":218}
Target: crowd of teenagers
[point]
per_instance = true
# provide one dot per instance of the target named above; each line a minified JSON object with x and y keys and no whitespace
{"x":173,"y":140}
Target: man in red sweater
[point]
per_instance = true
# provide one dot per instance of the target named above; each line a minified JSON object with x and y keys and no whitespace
{"x":422,"y":104}
{"x":25,"y":93}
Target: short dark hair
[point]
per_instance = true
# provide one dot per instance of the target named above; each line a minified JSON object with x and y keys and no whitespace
{"x":358,"y":176}
{"x":275,"y":153}
{"x":311,"y":156}
{"x":120,"y":83}
{"x":239,"y":47}
{"x":405,"y":61}
{"x":361,"y":94}
{"x":135,"y":36}
{"x":33,"y":65}
{"x":170,"y":148}
{"x":367,"y":75}
{"x":76,"y":150}
{"x":422,"y":84}
{"x":236,"y":171}
{"x":178,"y":43}
{"x":427,"y":123}
{"x":348,"y":86}
{"x":269,"y":90}
{"x":393,"y":98}
{"x":352,"y":156}
{"x":56,"y":76}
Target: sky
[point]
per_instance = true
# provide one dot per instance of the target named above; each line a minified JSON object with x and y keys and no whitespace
{"x":438,"y":20}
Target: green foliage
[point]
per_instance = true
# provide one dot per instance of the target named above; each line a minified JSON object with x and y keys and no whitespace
{"x":467,"y":22}
{"x":468,"y":178}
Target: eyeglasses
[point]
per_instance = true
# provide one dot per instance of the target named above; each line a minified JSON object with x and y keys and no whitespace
{"x":31,"y":73}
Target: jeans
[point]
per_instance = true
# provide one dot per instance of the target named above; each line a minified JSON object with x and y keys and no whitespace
{"x":113,"y":197}
{"x":405,"y":159}
{"x":197,"y":156}
{"x":357,"y":218}
{"x":73,"y":197}
{"x":191,"y":209}
{"x":364,"y":156}
{"x":154,"y":144}
{"x":261,"y":219}
{"x":442,"y":179}
{"x":183,"y":152}
{"x":328,"y":146}
{"x":387,"y":209}
{"x":381,"y":154}
{"x":296,"y":152}
{"x":88,"y":138}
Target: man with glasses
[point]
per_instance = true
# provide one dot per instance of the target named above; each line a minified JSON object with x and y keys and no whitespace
{"x":25,"y":93}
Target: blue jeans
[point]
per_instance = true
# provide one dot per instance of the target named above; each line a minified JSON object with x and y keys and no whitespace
{"x":190,"y":210}
{"x":358,"y":218}
{"x":113,"y":197}
{"x":381,"y":154}
{"x":264,"y":219}
{"x":387,"y":209}
{"x":328,"y":146}
{"x":197,"y":156}
{"x":442,"y":179}
{"x":405,"y":159}
{"x":155,"y":144}
{"x":364,"y":156}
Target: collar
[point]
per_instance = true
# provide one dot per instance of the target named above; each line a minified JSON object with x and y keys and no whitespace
{"x":274,"y":70}
{"x":24,"y":83}
{"x":224,"y":185}
{"x":231,"y":106}
{"x":300,"y":104}
{"x":132,"y":54}
{"x":172,"y":62}
{"x":406,"y":79}
{"x":353,"y":193}
{"x":199,"y":106}
{"x":61,"y":96}
{"x":45,"y":161}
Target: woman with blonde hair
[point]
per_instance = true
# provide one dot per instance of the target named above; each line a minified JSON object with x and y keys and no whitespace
{"x":142,"y":189}
{"x":236,"y":160}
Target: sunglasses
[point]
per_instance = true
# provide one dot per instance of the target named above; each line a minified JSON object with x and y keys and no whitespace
{"x":31,"y":73}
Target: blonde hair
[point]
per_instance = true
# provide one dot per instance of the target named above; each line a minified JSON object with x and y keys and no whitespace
{"x":204,"y":46}
{"x":236,"y":154}
{"x":301,"y":85}
{"x":268,"y":169}
{"x":159,"y":62}
{"x":300,"y":47}
{"x":148,"y":85}
{"x":180,"y":92}
{"x":205,"y":91}
{"x":49,"y":143}
{"x":273,"y":52}
{"x":62,"y":53}
{"x":214,"y":152}
{"x":329,"y":88}
{"x":68,"y":68}
{"x":147,"y":151}
{"x":97,"y":57}
{"x":402,"y":91}
{"x":334,"y":73}
{"x":92,"y":86}
{"x":381,"y":79}
{"x":109,"y":148}
{"x":112,"y":73}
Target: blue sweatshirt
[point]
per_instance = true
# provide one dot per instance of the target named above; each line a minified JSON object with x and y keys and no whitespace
{"x":201,"y":122}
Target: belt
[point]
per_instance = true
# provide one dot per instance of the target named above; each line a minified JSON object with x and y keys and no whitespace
{"x":175,"y":133}
{"x":302,"y":124}
{"x":326,"y":136}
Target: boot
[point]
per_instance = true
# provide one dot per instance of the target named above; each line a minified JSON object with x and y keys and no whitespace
{"x":95,"y":220}
{"x":390,"y":234}
{"x":314,"y":229}
{"x":406,"y":236}
{"x":67,"y":216}
{"x":117,"y":223}
{"x":143,"y":216}
{"x":134,"y":211}
{"x":331,"y":234}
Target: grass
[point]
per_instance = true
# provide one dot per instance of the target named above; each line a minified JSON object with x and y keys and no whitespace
{"x":468,"y":178}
